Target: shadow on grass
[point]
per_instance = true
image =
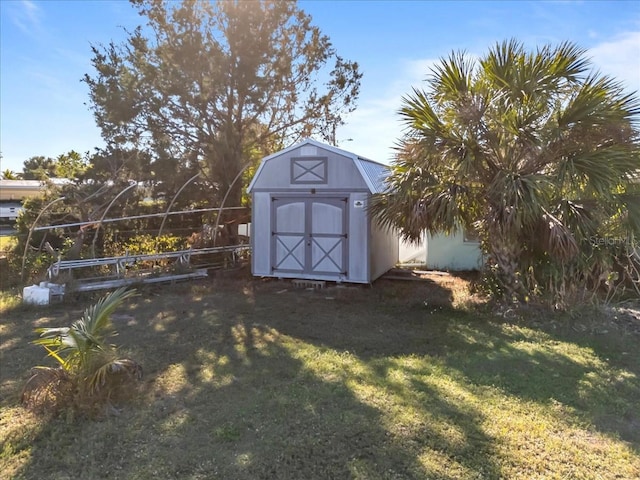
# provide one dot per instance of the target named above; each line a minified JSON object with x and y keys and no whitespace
{"x":595,"y":371}
{"x":230,"y":395}
{"x":545,"y":361}
{"x":260,"y":381}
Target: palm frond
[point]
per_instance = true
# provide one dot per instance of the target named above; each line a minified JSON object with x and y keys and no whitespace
{"x":581,"y":218}
{"x":90,"y":370}
{"x":500,"y":63}
{"x":417,"y":113}
{"x":599,"y":172}
{"x":48,"y":389}
{"x":557,"y":238}
{"x":452,"y":77}
{"x":518,"y":201}
{"x":631,"y":206}
{"x":73,"y":347}
{"x":113,"y":370}
{"x":96,"y":318}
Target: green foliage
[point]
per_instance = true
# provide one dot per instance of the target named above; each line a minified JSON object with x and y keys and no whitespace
{"x":8,"y":174}
{"x":34,"y":256}
{"x":535,"y":151}
{"x":7,"y":243}
{"x":145,"y":244}
{"x":71,"y":165}
{"x":215,"y":84}
{"x":9,"y":300}
{"x":38,"y":168}
{"x":35,"y":267}
{"x":67,"y":165}
{"x":89,"y":369}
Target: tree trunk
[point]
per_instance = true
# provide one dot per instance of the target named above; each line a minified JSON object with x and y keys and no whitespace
{"x":74,"y":252}
{"x":230,"y":217}
{"x":504,"y":256}
{"x":230,"y":195}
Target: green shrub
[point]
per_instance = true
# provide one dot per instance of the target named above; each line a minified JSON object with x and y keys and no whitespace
{"x":146,"y":244}
{"x":90,"y":374}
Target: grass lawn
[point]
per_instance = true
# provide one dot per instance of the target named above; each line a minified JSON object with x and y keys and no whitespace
{"x":251,"y":379}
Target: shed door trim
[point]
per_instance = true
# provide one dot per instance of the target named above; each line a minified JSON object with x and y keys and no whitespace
{"x":309,"y":235}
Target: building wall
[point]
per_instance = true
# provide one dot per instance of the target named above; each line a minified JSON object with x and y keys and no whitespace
{"x":411,"y":252}
{"x":20,"y":189}
{"x":383,"y":255}
{"x":9,"y":211}
{"x":451,"y":252}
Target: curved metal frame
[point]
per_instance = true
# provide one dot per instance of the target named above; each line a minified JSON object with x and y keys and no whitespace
{"x":104,"y":214}
{"x":224,"y":199}
{"x":26,"y":246}
{"x":171,"y":205}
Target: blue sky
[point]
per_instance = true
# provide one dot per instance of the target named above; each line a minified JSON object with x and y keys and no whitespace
{"x":45,"y":51}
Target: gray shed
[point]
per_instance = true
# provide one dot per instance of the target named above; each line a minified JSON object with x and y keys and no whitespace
{"x":310,"y":219}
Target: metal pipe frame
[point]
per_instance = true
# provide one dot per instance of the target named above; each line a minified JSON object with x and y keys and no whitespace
{"x":26,"y":246}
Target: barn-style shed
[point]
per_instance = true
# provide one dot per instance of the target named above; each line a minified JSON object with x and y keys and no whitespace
{"x":310,"y":218}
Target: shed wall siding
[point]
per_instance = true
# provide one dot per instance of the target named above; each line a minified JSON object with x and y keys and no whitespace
{"x":384,"y":250}
{"x":451,"y":252}
{"x":358,"y":238}
{"x":261,"y":234}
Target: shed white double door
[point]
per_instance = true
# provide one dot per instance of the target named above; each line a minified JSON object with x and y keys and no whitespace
{"x":309,"y":235}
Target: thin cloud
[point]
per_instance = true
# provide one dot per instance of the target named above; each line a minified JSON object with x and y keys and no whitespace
{"x":620,"y":58}
{"x":375,"y":127}
{"x":27,"y":16}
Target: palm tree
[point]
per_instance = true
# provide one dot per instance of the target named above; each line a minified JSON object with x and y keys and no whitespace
{"x":89,"y":369}
{"x":533,"y":149}
{"x":10,"y":175}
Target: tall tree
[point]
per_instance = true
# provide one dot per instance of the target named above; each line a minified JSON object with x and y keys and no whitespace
{"x":71,"y":165}
{"x":532,"y":148}
{"x":213,"y":84}
{"x":66,"y":165}
{"x":39,"y":168}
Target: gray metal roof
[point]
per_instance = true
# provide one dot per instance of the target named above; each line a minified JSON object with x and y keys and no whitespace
{"x":372,"y":172}
{"x":375,"y":174}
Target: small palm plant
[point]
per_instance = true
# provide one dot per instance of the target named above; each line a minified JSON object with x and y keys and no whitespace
{"x":90,"y":373}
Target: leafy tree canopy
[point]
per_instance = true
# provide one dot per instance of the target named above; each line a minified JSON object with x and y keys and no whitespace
{"x":212,"y":86}
{"x":38,"y":168}
{"x":67,"y":165}
{"x":532,"y":148}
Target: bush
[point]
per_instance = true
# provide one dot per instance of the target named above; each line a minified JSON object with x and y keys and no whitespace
{"x":90,"y":376}
{"x":146,"y":244}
